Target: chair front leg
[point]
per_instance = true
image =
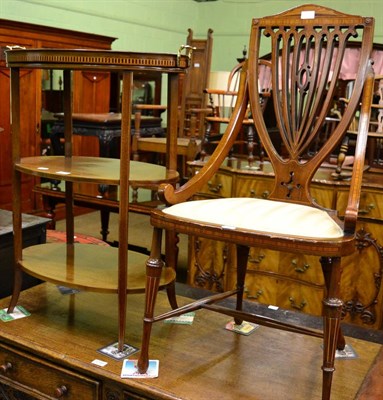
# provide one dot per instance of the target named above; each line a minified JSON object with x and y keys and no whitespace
{"x":154,"y":266}
{"x":332,"y":312}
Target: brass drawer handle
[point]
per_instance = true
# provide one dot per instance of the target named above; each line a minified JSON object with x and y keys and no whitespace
{"x":257,"y":295}
{"x":297,"y":306}
{"x":6,"y":368}
{"x":214,"y":188}
{"x":61,"y":391}
{"x":256,"y":260}
{"x":264,"y":194}
{"x":300,"y":270}
{"x":367,"y":210}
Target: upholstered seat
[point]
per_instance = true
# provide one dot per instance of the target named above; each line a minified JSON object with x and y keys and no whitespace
{"x":273,"y":217}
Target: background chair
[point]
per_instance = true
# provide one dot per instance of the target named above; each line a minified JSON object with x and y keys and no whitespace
{"x":222,"y":102}
{"x":192,"y":109}
{"x":374,"y":156}
{"x":307,"y":45}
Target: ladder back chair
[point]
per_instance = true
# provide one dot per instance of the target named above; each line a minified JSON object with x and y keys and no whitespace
{"x":374,"y":154}
{"x":307,"y":45}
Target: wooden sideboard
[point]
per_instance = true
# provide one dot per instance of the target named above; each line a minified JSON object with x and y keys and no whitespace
{"x":91,"y":95}
{"x":292,"y":281}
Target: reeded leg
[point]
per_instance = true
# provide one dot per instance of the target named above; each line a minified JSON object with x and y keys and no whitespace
{"x":154,"y":266}
{"x":242,"y":258}
{"x":332,"y":308}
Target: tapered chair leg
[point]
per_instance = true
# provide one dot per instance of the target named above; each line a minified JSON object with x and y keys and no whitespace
{"x":154,"y":266}
{"x":332,"y":309}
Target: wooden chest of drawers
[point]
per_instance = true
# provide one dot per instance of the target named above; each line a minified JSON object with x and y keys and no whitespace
{"x":39,"y":377}
{"x":294,"y":281}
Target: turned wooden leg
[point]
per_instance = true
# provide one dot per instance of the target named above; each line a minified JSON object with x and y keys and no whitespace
{"x":332,"y":309}
{"x":250,"y":145}
{"x":154,"y":266}
{"x":242,"y":258}
{"x":104,"y":217}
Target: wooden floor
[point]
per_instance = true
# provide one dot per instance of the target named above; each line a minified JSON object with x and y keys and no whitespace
{"x":197,"y":362}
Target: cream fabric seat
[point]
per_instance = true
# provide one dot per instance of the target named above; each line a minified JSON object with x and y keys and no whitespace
{"x":274,"y":217}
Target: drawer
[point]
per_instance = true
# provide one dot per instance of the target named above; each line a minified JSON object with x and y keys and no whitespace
{"x":33,"y":375}
{"x":301,"y":267}
{"x":133,"y":396}
{"x":369,"y":206}
{"x":300,"y":297}
{"x":263,"y":260}
{"x":295,"y":266}
{"x":220,"y":185}
{"x":253,"y":187}
{"x":284,"y":293}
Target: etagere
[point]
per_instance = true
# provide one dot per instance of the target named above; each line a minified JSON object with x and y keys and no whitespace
{"x":82,"y":266}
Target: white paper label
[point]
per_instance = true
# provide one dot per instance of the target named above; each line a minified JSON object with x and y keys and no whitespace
{"x":307,"y":14}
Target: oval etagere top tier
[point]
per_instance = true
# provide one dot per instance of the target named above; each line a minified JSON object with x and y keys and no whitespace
{"x":92,"y":169}
{"x":96,"y":268}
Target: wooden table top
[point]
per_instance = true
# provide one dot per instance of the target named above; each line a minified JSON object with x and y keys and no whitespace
{"x":201,"y":361}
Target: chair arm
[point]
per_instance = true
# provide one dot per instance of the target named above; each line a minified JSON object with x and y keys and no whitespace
{"x":169,"y":195}
{"x":351,"y":213}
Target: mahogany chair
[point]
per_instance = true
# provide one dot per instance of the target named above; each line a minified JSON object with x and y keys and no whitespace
{"x":307,"y":45}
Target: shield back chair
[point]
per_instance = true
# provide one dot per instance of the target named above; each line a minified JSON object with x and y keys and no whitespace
{"x":307,"y":45}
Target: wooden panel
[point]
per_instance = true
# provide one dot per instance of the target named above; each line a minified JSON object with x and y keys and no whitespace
{"x":208,"y":263}
{"x":361,"y":280}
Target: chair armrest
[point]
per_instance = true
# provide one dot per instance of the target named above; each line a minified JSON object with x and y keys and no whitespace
{"x":169,"y":195}
{"x":351,"y":213}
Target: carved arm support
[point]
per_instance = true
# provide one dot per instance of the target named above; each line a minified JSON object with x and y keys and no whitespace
{"x":169,"y":195}
{"x":351,"y":213}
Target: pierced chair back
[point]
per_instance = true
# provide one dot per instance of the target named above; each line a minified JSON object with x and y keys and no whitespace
{"x":306,"y":59}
